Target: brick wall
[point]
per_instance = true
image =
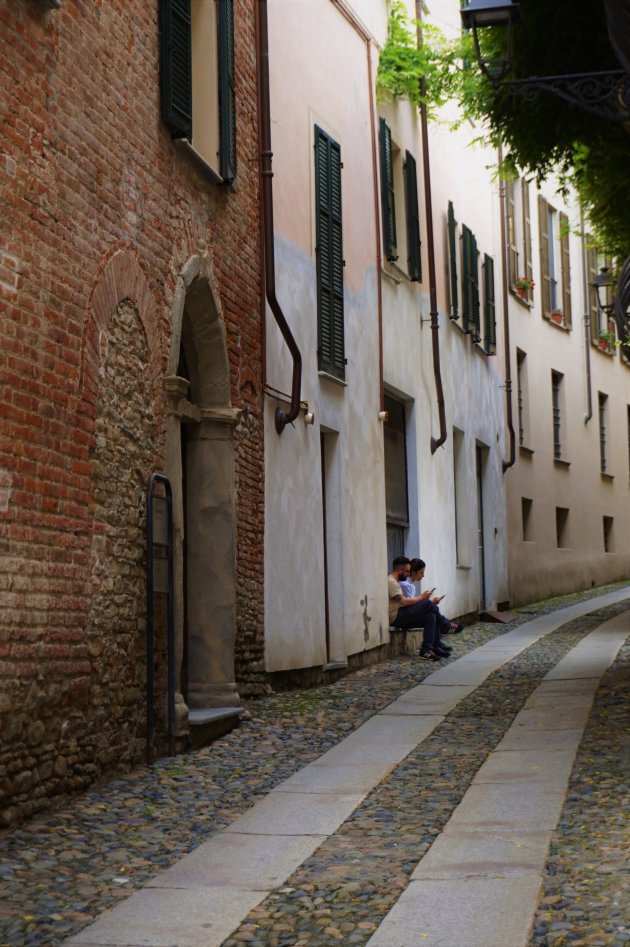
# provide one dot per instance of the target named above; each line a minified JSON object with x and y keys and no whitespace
{"x":97,"y":201}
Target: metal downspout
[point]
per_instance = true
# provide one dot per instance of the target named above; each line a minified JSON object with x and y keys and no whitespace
{"x":435,"y":326}
{"x":379,"y":261}
{"x":282,"y":418}
{"x":506,"y":318}
{"x":587,"y":326}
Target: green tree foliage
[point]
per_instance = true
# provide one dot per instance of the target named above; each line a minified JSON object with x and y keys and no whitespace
{"x":542,"y":134}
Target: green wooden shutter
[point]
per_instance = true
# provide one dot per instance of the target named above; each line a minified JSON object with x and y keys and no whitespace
{"x":387,"y":192}
{"x":545,"y":278}
{"x":452,"y":253}
{"x":565,"y":260}
{"x":329,"y":253}
{"x":176,"y":67}
{"x":490,"y":339}
{"x":227,"y":92}
{"x":414,"y":262}
{"x":470,"y":284}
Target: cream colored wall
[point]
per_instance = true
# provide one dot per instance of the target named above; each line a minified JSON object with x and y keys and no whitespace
{"x":538,"y":568}
{"x":319,"y":74}
{"x":472,"y":382}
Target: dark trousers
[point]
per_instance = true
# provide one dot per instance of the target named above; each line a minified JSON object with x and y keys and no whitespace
{"x":421,"y":615}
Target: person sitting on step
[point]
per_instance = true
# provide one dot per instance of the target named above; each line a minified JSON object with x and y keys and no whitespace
{"x":414,"y":612}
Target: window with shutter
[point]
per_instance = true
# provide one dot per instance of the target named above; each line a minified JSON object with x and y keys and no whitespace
{"x":527,"y":234}
{"x":565,"y":266}
{"x":510,"y":214}
{"x":470,"y":284}
{"x":387,"y":192}
{"x":452,"y":259}
{"x":198,"y":80}
{"x":490,"y":334}
{"x":412,"y":214}
{"x":545,"y":258}
{"x":329,"y":255}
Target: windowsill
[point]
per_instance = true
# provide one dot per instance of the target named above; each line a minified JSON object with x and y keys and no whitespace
{"x":333,"y":378}
{"x":565,"y":464}
{"x":525,"y":451}
{"x":523,"y":302}
{"x":562,"y":326}
{"x":609,"y":350}
{"x":528,"y":542}
{"x":395,"y":271}
{"x":182,"y":144}
{"x":461,"y":568}
{"x":607,"y":477}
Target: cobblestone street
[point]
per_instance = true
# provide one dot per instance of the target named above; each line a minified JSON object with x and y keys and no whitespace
{"x":59,"y":873}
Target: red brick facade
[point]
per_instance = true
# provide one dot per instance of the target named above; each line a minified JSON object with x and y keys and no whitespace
{"x":100,"y":215}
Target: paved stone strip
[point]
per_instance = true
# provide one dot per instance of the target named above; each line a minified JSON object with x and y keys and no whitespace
{"x":586,"y":887}
{"x":209,"y":905}
{"x":491,"y":855}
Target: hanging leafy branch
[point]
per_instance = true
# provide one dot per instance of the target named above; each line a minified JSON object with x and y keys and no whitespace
{"x":541,"y":136}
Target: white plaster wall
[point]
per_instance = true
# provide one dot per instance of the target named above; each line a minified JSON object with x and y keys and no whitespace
{"x":538,"y":567}
{"x":319,"y":74}
{"x":472,"y":382}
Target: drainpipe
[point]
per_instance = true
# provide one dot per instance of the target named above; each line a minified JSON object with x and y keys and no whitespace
{"x":506,"y":319}
{"x":435,"y":326}
{"x":282,"y":418}
{"x":587,"y":327}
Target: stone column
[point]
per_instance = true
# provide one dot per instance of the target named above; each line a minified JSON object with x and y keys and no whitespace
{"x":176,"y":390}
{"x":211,"y":560}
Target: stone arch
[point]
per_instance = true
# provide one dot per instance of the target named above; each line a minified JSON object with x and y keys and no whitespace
{"x":120,"y":278}
{"x":200,"y":467}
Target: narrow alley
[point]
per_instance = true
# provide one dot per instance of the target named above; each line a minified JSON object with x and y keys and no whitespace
{"x":481,"y":802}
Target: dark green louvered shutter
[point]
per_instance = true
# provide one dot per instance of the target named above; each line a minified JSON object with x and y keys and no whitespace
{"x":387,"y":192}
{"x":512,"y":248}
{"x":452,"y":254}
{"x":591,"y":257}
{"x":227,"y":92}
{"x":527,"y":235}
{"x":176,"y":66}
{"x":470,"y":284}
{"x":489,"y":315}
{"x":329,"y":253}
{"x":414,"y":264}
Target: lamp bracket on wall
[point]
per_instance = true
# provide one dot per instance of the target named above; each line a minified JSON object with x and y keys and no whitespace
{"x":605,"y":94}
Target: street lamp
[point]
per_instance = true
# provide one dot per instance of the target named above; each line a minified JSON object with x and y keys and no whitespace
{"x":604,"y":285}
{"x":605,"y":94}
{"x":482,"y":14}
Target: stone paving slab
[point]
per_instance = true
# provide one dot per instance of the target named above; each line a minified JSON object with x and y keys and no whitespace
{"x":521,"y":739}
{"x":458,"y":853}
{"x":385,"y":730}
{"x":555,"y":718}
{"x":297,"y":813}
{"x":336,"y":778}
{"x":534,"y":767}
{"x":157,"y":917}
{"x":253,"y":862}
{"x":454,"y":913}
{"x":492,"y":807}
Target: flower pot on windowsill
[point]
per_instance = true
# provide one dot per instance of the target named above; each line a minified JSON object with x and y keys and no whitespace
{"x":556,"y":315}
{"x":521,"y":292}
{"x":603,"y":344}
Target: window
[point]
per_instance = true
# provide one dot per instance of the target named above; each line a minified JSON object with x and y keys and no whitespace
{"x":562,"y":527}
{"x":602,"y":403}
{"x":470,"y":284}
{"x":519,"y":234}
{"x":555,"y":272}
{"x":398,"y":179}
{"x":603,"y":329}
{"x":462,"y":489}
{"x":396,"y":493}
{"x":490,"y":327}
{"x":557,"y":392}
{"x":523,"y":398}
{"x":526,"y":518}
{"x":329,"y":254}
{"x":608,"y":523}
{"x":198,"y":79}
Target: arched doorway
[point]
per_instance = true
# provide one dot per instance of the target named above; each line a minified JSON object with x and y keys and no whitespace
{"x":200,"y":465}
